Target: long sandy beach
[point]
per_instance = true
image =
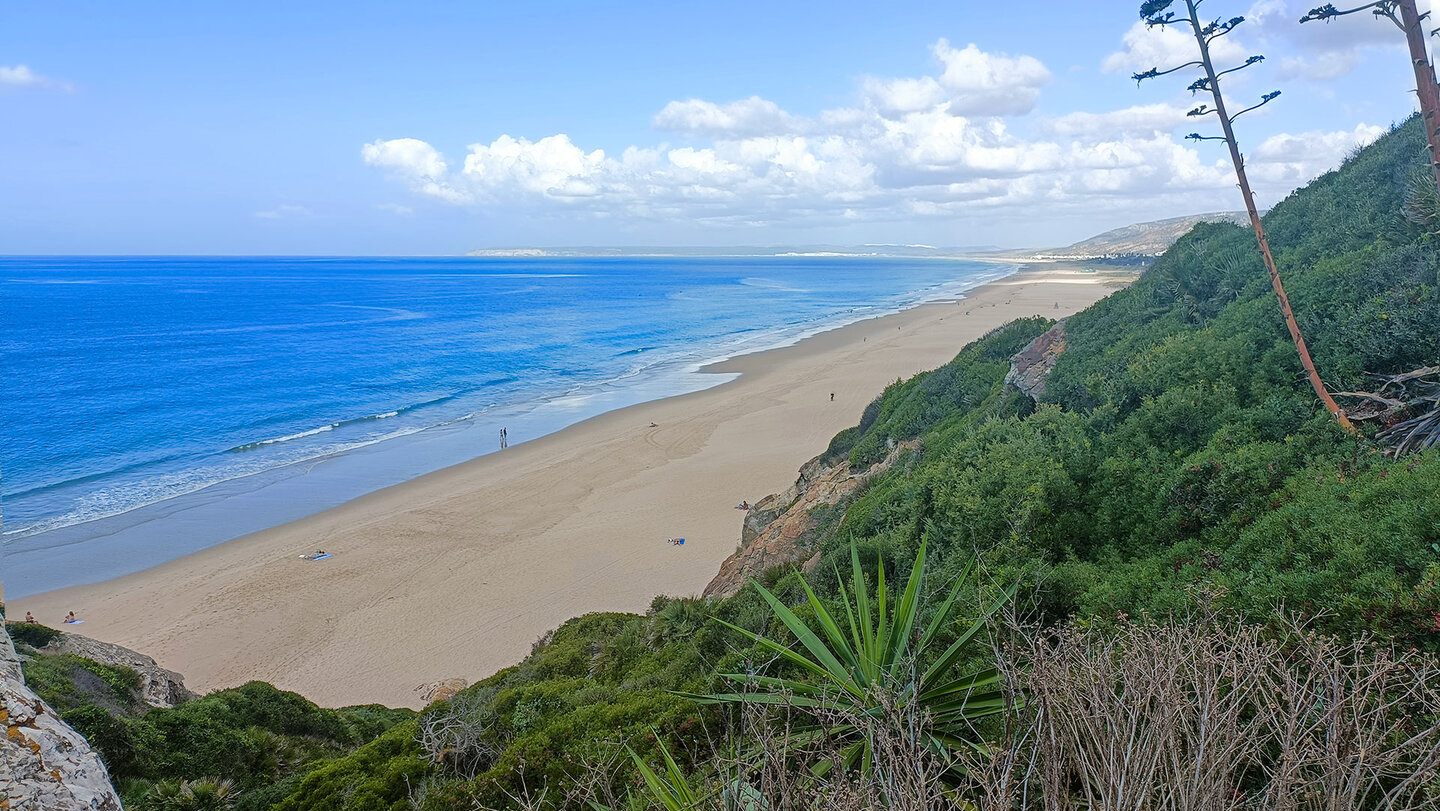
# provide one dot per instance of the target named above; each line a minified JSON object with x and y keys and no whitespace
{"x":455,"y":574}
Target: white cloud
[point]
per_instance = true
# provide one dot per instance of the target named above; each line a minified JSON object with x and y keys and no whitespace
{"x":1320,"y":51}
{"x":1167,"y":46}
{"x":973,"y":82}
{"x":417,"y":162}
{"x":282,"y":212}
{"x":1142,"y":119}
{"x":989,"y":84}
{"x":906,"y":151}
{"x":23,"y":76}
{"x":1299,"y":158}
{"x":1324,"y":68}
{"x":752,"y":116}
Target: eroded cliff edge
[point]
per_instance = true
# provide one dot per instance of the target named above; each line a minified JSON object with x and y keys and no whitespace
{"x":44,"y":764}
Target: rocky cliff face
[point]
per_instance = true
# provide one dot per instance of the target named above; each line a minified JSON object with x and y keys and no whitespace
{"x":158,"y":687}
{"x":780,"y":529}
{"x":1032,"y":365}
{"x":44,"y":764}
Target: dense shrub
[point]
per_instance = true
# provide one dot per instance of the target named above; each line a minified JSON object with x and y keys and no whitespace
{"x":32,"y":634}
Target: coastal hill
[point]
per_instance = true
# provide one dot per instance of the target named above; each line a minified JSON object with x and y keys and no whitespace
{"x":1138,"y":240}
{"x":1143,"y":239}
{"x":1156,"y":454}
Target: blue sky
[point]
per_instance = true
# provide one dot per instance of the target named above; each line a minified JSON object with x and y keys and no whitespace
{"x":433,"y":128}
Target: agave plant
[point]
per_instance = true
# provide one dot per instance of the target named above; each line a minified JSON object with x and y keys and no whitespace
{"x":207,"y":794}
{"x":876,"y":665}
{"x":672,"y":791}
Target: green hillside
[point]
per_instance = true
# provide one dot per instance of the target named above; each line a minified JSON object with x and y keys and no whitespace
{"x":1178,"y":456}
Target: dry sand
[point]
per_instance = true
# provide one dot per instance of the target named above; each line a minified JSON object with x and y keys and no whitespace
{"x":456,"y":573}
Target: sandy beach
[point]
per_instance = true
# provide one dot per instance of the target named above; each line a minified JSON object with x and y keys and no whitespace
{"x":455,"y":574}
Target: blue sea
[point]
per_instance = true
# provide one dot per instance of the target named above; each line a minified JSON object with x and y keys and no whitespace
{"x":154,"y":406}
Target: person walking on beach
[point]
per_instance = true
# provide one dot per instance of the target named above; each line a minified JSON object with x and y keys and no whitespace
{"x":832,"y":396}
{"x":504,"y":439}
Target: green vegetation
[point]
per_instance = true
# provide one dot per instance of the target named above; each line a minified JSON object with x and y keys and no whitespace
{"x":243,"y":748}
{"x":30,"y":634}
{"x":870,"y":667}
{"x":1177,"y":457}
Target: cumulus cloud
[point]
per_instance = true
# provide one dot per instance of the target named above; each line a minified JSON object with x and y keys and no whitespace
{"x":1167,"y":46}
{"x":1299,"y":158}
{"x":939,"y":146}
{"x":23,"y":76}
{"x":973,"y":82}
{"x":752,"y":116}
{"x":1320,"y":51}
{"x":417,"y":162}
{"x":1143,"y":119}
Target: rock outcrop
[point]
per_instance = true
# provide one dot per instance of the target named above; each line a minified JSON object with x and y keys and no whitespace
{"x":780,"y":529}
{"x":440,"y":690}
{"x":1032,"y":365}
{"x":44,"y":764}
{"x":158,"y":687}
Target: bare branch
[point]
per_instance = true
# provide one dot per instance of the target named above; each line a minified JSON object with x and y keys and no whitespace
{"x":1154,"y":72}
{"x":1380,"y":8}
{"x":1248,"y":62}
{"x":1264,"y":100}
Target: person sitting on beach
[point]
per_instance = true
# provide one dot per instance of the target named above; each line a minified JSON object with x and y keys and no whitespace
{"x":70,"y":618}
{"x":29,"y":617}
{"x":653,"y":425}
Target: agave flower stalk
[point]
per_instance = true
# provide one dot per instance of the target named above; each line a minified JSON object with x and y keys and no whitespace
{"x":1157,"y":13}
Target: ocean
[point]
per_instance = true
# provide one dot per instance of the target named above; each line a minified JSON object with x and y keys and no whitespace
{"x":154,"y":406}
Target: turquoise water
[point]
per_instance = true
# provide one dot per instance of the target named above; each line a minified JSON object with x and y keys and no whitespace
{"x":157,"y":405}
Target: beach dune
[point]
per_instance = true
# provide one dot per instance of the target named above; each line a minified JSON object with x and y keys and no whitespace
{"x":457,"y":573}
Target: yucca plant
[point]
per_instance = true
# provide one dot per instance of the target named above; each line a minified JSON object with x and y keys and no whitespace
{"x":673,"y":792}
{"x":876,"y":665}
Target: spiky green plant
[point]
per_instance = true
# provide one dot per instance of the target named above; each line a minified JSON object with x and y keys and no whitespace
{"x":206,"y":794}
{"x":673,"y":791}
{"x":876,"y":665}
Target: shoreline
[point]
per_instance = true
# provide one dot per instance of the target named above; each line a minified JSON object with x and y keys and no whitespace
{"x":152,"y":533}
{"x":456,"y":572}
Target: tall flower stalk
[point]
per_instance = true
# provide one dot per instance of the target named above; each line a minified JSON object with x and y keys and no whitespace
{"x":1158,"y":13}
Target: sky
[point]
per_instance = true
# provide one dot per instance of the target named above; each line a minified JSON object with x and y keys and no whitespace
{"x":369,"y":128}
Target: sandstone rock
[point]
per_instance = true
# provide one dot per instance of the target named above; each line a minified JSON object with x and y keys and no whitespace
{"x":779,"y":528}
{"x":440,"y":690}
{"x":158,"y":687}
{"x":1032,"y":365}
{"x":44,"y":764}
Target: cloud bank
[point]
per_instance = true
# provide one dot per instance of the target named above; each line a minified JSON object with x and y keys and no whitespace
{"x":940,"y":145}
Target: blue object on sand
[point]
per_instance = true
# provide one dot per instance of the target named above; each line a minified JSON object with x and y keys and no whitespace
{"x":322,"y":557}
{"x":682,"y":541}
{"x":76,"y":622}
